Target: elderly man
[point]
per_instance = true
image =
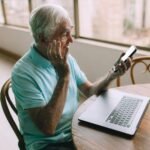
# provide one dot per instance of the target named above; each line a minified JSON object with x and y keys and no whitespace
{"x":46,"y":80}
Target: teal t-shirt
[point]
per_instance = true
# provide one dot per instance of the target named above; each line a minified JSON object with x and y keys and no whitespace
{"x":33,"y":82}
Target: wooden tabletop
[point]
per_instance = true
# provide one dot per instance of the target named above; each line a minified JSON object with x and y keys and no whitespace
{"x":92,"y":138}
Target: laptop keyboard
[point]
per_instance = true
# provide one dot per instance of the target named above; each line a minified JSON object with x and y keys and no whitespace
{"x":124,"y":112}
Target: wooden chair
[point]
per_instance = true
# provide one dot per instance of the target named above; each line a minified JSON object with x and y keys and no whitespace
{"x":137,"y":60}
{"x":7,"y":104}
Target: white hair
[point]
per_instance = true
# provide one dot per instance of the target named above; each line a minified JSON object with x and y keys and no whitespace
{"x":45,"y":19}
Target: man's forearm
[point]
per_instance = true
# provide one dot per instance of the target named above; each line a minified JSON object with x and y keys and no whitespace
{"x":100,"y":85}
{"x":49,"y":115}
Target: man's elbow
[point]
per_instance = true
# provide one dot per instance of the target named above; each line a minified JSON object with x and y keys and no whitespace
{"x":48,"y":130}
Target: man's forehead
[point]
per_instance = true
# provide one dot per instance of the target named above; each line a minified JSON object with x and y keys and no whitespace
{"x":66,"y":25}
{"x":68,"y":28}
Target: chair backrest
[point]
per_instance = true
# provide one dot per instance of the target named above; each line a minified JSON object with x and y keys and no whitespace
{"x":137,"y":60}
{"x":7,"y":103}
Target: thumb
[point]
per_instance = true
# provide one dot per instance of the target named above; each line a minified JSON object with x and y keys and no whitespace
{"x":119,"y":59}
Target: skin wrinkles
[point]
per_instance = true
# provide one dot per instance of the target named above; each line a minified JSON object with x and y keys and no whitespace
{"x":56,"y":49}
{"x":47,"y":117}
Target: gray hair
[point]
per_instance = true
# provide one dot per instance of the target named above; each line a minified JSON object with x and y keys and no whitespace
{"x":45,"y":19}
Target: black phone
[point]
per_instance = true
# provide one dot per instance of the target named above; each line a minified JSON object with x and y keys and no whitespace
{"x":129,"y":53}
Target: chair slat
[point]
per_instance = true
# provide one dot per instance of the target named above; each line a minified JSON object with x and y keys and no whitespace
{"x":136,"y":61}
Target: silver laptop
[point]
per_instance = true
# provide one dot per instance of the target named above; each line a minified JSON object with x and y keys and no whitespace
{"x":116,"y":110}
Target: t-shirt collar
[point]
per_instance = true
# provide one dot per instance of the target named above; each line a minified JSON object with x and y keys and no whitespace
{"x":38,"y":58}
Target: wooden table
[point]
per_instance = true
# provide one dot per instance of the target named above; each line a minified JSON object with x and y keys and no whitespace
{"x":87,"y":138}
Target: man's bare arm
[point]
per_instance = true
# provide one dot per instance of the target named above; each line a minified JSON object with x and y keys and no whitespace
{"x":47,"y":117}
{"x":99,"y":86}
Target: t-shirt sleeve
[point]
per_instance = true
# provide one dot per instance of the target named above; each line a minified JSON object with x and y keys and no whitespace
{"x":79,"y":75}
{"x":26,"y":92}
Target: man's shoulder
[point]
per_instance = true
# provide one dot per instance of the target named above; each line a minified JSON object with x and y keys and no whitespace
{"x":72,"y":61}
{"x":22,"y":62}
{"x":23,"y":65}
{"x":71,"y":58}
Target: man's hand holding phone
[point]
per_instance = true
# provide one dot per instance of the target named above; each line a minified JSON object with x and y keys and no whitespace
{"x":54,"y":53}
{"x":123,"y":63}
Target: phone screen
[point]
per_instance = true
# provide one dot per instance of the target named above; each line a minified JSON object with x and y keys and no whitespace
{"x":129,"y":53}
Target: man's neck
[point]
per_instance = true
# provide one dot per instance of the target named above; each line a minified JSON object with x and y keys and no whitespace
{"x":41,"y":50}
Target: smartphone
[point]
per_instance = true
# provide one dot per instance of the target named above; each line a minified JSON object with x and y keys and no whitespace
{"x":129,"y":53}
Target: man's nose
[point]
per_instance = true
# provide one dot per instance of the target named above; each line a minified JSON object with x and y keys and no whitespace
{"x":70,"y":38}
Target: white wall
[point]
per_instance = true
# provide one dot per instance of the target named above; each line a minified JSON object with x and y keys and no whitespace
{"x":15,"y":40}
{"x":94,"y":58}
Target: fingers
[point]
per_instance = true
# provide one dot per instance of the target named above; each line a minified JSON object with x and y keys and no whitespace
{"x":49,"y":51}
{"x":59,"y":50}
{"x":57,"y":53}
{"x":122,"y":67}
{"x":119,"y":59}
{"x":54,"y":50}
{"x":66,"y":53}
{"x":128,"y":62}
